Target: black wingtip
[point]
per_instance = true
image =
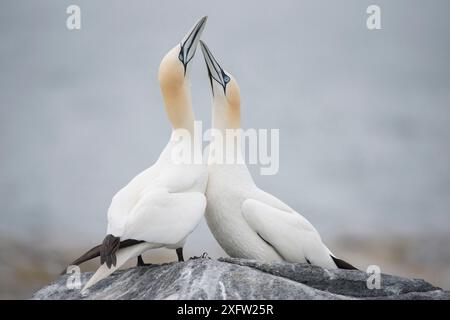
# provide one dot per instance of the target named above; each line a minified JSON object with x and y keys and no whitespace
{"x":97,"y":252}
{"x":108,"y":250}
{"x":341,"y":264}
{"x":91,"y":254}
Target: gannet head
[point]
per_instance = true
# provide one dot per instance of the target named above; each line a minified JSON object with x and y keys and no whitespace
{"x":174,"y":81}
{"x":225,"y":91}
{"x":175,"y":65}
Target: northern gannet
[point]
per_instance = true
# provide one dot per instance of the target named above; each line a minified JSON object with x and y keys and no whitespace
{"x":162,"y":205}
{"x":246,"y":221}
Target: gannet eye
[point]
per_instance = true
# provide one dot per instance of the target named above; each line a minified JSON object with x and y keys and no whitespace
{"x":226,"y":79}
{"x":180,"y":56}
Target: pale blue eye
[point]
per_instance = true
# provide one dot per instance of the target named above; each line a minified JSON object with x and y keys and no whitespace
{"x":180,"y":56}
{"x":226,"y":79}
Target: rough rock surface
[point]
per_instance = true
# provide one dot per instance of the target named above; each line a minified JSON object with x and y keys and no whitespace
{"x":228,"y":278}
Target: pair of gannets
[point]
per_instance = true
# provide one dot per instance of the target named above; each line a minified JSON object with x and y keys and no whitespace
{"x":162,"y":205}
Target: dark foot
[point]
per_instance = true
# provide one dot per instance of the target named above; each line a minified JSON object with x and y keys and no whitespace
{"x":203,"y":256}
{"x":141,"y":263}
{"x":180,"y":254}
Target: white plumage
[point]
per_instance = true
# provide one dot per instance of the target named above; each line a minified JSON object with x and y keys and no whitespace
{"x":162,"y":205}
{"x":156,"y":209}
{"x":246,"y":221}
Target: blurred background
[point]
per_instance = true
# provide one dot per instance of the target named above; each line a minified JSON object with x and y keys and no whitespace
{"x":364,"y":119}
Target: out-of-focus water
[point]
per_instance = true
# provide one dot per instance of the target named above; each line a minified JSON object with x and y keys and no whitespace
{"x":364,"y":116}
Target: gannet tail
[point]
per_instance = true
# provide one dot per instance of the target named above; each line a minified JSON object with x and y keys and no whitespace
{"x":95,"y":252}
{"x":123,"y":255}
{"x":90,"y":254}
{"x":341,"y":264}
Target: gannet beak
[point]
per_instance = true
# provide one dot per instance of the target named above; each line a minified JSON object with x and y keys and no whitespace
{"x":215,"y":71}
{"x":190,"y":41}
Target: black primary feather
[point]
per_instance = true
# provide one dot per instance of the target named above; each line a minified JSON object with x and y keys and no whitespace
{"x":341,"y":264}
{"x":108,"y":250}
{"x":96,"y":252}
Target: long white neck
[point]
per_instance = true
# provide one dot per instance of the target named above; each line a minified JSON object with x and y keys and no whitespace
{"x":226,"y":135}
{"x":178,"y":105}
{"x":224,"y":115}
{"x":219,"y":116}
{"x":176,"y":91}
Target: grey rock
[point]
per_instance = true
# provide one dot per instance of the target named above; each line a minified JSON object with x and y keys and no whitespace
{"x":229,"y":278}
{"x":344,"y":282}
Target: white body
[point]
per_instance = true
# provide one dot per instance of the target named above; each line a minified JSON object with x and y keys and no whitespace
{"x":161,"y":206}
{"x":246,"y":221}
{"x":250,"y":223}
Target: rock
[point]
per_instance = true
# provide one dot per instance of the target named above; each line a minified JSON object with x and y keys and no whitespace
{"x":229,"y":278}
{"x":338,"y":281}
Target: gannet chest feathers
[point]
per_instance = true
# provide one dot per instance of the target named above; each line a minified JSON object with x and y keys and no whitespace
{"x":246,"y":221}
{"x":163,"y":204}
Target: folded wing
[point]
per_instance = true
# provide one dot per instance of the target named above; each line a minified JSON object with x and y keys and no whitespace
{"x":160,"y":216}
{"x":288,"y":232}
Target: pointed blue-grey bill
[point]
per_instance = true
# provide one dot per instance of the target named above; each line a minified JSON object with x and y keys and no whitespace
{"x":190,"y":41}
{"x":215,"y":71}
